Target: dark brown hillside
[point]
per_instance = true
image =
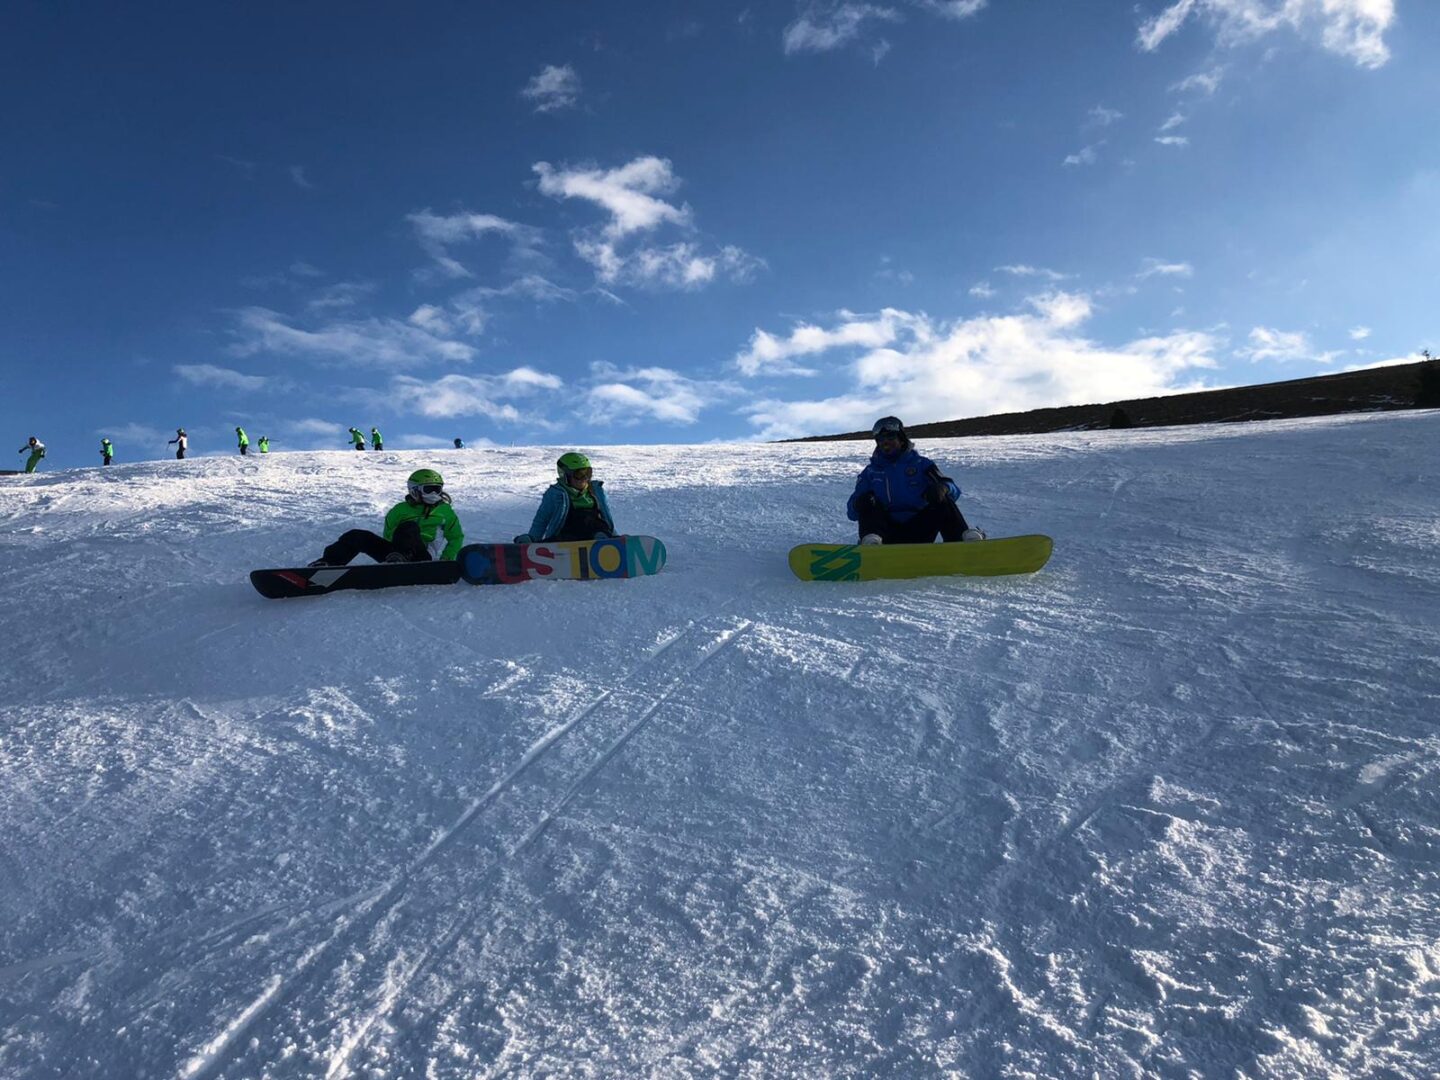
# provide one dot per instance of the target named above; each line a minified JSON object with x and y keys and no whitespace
{"x":1404,"y":386}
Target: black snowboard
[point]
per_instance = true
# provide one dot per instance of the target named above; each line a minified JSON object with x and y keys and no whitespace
{"x":318,"y":580}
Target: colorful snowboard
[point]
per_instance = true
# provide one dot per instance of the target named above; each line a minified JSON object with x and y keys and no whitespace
{"x":980,"y":558}
{"x":319,"y":580}
{"x":579,"y":560}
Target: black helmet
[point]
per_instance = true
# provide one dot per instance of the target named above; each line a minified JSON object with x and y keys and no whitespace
{"x":888,"y":425}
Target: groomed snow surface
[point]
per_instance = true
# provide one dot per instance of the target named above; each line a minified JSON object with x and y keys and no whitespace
{"x":1169,"y":807}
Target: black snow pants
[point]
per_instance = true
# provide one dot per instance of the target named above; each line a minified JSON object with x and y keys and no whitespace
{"x":584,"y":525}
{"x":942,"y":517}
{"x":407,"y":542}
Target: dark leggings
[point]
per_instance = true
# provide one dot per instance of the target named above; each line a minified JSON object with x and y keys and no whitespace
{"x":943,"y":517}
{"x":407,"y":542}
{"x":584,"y":525}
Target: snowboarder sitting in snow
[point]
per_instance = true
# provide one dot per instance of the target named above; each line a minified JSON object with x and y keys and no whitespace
{"x":902,"y":498}
{"x":572,"y":508}
{"x":410,"y":528}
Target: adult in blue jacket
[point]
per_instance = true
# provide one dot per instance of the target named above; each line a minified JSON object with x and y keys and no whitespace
{"x":572,"y":508}
{"x":902,"y":498}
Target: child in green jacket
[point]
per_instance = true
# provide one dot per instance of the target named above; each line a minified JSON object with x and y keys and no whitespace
{"x":414,"y":529}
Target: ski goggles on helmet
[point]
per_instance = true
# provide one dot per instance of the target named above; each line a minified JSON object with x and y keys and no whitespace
{"x":581,"y":474}
{"x":428,"y":489}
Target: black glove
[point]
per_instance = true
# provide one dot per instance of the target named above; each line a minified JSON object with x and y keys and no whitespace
{"x":868,"y":501}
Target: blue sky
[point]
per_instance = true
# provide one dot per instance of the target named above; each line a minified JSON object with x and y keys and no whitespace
{"x":677,"y":221}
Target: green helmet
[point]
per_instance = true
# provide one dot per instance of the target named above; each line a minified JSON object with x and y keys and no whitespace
{"x":570,"y":462}
{"x":425,"y":485}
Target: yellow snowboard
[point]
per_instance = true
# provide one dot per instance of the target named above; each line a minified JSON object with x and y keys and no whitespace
{"x":979,"y":558}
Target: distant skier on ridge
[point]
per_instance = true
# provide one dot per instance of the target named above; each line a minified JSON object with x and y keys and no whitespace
{"x":244,"y":441}
{"x":264,"y":444}
{"x":572,"y":508}
{"x":181,"y":441}
{"x":36,"y":449}
{"x":377,"y":441}
{"x":358,"y":438}
{"x":107,"y":452}
{"x":414,"y":529}
{"x":902,"y":498}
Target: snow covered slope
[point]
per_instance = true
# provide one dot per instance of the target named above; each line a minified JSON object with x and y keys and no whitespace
{"x":1169,"y":807}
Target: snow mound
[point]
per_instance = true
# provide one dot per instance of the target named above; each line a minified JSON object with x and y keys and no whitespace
{"x":1170,"y":806}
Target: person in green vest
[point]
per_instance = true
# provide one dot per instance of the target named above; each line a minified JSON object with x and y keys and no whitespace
{"x":264,"y":444}
{"x":422,"y":528}
{"x":377,"y":441}
{"x":572,"y":508}
{"x":358,"y":438}
{"x":244,"y":441}
{"x":107,"y":452}
{"x":36,"y":449}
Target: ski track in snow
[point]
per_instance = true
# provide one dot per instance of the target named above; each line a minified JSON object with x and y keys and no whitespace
{"x":1168,"y":807}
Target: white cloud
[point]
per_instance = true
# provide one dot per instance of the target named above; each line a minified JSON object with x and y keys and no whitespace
{"x":825,"y":25}
{"x":1204,"y":83}
{"x":889,"y":272}
{"x":373,"y":342}
{"x":928,"y":370}
{"x":437,"y":233}
{"x":982,"y":290}
{"x":630,"y":195}
{"x":952,"y":9}
{"x":468,"y":395}
{"x":1352,"y":28}
{"x":431,"y":319}
{"x":210,"y":375}
{"x":1174,"y":121}
{"x":1160,"y":268}
{"x":297,"y":174}
{"x":553,"y":89}
{"x":1270,"y":344}
{"x":530,"y":287}
{"x":653,"y":393}
{"x":1396,"y":361}
{"x":770,"y":355}
{"x":341,"y":294}
{"x":313,"y":426}
{"x":127,"y":436}
{"x":1088,"y":156}
{"x":1173,"y":140}
{"x":1025,"y":270}
{"x":1359,"y":333}
{"x":1100,"y":116}
{"x":627,"y":193}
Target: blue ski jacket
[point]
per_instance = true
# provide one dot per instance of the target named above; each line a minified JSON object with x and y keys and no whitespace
{"x":555,"y":508}
{"x":899,"y":483}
